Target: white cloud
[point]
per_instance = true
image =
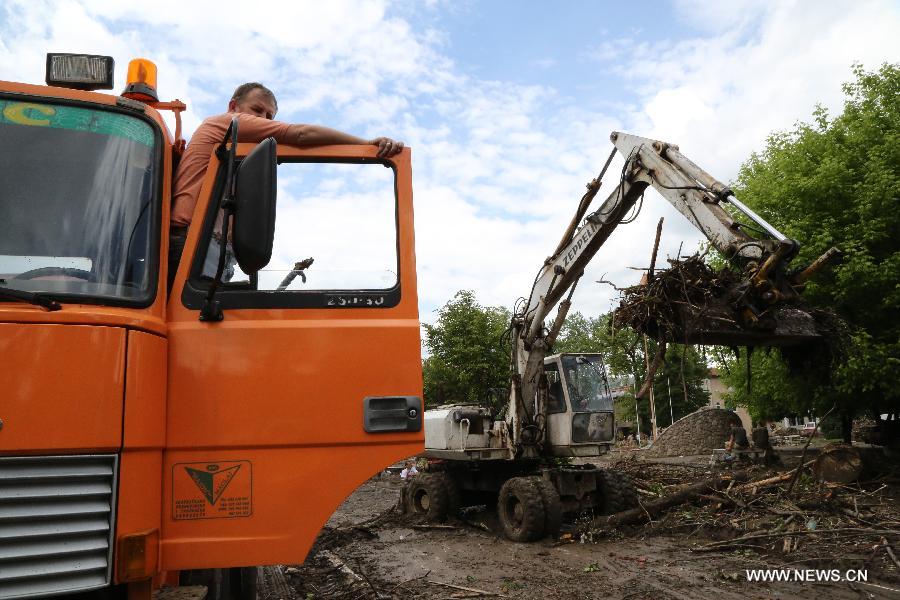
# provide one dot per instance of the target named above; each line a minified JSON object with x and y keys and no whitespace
{"x":498,"y":166}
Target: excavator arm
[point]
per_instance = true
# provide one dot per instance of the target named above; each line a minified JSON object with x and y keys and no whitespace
{"x":699,"y":197}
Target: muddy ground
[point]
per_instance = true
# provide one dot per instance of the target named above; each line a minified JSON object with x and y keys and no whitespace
{"x":368,"y":550}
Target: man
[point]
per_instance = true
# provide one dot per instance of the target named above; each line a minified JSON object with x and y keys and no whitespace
{"x":255,"y":106}
{"x":409,"y":471}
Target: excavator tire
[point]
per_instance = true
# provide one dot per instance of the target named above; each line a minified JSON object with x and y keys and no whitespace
{"x":552,"y":506}
{"x":427,"y":497}
{"x":617,"y":492}
{"x":521,"y":510}
{"x":451,"y":487}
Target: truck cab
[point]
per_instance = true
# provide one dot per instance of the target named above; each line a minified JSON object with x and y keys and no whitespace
{"x":139,"y":440}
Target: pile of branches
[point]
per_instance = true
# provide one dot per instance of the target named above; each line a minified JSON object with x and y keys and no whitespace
{"x":789,"y":514}
{"x":679,"y":299}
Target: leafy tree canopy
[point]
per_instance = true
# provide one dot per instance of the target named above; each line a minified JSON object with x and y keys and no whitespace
{"x":468,"y":353}
{"x":836,"y":182}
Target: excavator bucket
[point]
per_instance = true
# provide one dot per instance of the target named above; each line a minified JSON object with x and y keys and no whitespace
{"x":690,"y":303}
{"x":720,"y":327}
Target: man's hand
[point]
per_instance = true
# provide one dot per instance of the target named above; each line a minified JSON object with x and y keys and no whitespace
{"x":386,"y":146}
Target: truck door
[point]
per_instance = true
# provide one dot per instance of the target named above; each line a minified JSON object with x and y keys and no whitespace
{"x":312,"y":382}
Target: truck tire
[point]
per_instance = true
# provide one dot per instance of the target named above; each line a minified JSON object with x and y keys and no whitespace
{"x":617,"y":492}
{"x":236,"y":583}
{"x":427,"y":497}
{"x":521,"y":510}
{"x":451,"y":487}
{"x":552,"y":506}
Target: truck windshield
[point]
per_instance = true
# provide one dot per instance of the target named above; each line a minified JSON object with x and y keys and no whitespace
{"x":77,"y":191}
{"x":586,"y":382}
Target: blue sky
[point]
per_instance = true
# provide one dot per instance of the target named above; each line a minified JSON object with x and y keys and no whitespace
{"x":507,"y":105}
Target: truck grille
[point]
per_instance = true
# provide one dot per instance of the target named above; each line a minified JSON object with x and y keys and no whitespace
{"x":56,"y":516}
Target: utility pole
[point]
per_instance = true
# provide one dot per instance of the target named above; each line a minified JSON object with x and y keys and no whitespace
{"x":637,"y":415}
{"x":652,"y":400}
{"x":671,"y":414}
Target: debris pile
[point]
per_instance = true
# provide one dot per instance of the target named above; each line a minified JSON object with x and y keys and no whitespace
{"x":691,"y":303}
{"x":674,"y":302}
{"x":792,"y":513}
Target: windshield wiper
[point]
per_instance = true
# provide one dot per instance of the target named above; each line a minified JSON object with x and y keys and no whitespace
{"x":32,"y":297}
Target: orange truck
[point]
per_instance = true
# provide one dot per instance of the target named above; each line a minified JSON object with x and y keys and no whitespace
{"x":152,"y":435}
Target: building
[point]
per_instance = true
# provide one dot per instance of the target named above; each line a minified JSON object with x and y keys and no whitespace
{"x":717,"y":388}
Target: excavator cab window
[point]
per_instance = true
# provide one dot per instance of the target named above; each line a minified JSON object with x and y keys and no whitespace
{"x":556,"y":402}
{"x":587,"y":385}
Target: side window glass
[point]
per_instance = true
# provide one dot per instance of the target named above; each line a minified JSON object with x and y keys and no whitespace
{"x":556,"y":402}
{"x":335,"y":230}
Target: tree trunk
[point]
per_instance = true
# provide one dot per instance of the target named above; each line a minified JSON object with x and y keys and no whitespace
{"x":838,"y":464}
{"x":650,"y":509}
{"x":847,"y":427}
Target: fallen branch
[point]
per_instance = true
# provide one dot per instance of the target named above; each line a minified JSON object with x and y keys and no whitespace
{"x":335,"y":561}
{"x":479,"y":525}
{"x":773,"y":480}
{"x":655,"y":507}
{"x":426,"y":527}
{"x":890,"y":552}
{"x":466,"y":589}
{"x":368,"y":581}
{"x":408,"y":581}
{"x":760,"y":536}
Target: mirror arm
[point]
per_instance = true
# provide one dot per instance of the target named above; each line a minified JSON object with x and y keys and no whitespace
{"x":211,"y":310}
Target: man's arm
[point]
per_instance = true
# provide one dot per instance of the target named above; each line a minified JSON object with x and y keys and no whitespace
{"x":317,"y":135}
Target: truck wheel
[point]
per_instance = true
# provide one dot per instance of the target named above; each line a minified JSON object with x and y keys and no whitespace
{"x":552,"y":506}
{"x":451,"y":488}
{"x":244,"y":583}
{"x":617,"y":492}
{"x":427,"y":497}
{"x":237,"y":583}
{"x":521,"y":510}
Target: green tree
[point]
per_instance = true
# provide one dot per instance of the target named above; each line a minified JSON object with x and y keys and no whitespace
{"x":468,"y":353}
{"x":836,"y":182}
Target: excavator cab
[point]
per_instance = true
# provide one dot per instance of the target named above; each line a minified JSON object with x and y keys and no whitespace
{"x":580,"y":420}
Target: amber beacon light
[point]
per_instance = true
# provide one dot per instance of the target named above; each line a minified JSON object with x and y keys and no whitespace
{"x":141,"y":81}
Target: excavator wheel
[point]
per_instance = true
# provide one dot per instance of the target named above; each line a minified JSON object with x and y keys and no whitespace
{"x":617,"y":492}
{"x":451,"y":487}
{"x":427,"y":497}
{"x":552,"y":506}
{"x":521,"y":510}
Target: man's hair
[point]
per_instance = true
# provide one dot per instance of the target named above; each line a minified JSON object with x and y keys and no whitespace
{"x":245,"y":88}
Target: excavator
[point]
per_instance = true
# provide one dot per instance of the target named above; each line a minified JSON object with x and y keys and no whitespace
{"x":560,"y":405}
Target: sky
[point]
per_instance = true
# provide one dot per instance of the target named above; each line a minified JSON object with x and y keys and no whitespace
{"x":507,"y":105}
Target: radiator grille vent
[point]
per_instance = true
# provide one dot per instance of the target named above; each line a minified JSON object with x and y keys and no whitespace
{"x":56,"y":516}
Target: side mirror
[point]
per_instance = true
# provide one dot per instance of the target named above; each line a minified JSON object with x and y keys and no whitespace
{"x":254,"y":207}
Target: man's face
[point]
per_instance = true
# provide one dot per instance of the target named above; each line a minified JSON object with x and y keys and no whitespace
{"x":255,"y":103}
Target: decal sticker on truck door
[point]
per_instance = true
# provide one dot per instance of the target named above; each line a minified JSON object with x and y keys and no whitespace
{"x":212,"y":490}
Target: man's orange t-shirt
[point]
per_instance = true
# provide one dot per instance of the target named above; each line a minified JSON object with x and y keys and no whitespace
{"x":192,"y":168}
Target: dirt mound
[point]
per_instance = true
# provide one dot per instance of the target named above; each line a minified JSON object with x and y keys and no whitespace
{"x":700,"y":432}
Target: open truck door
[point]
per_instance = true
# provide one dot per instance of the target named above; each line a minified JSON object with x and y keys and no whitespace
{"x":306,"y":386}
